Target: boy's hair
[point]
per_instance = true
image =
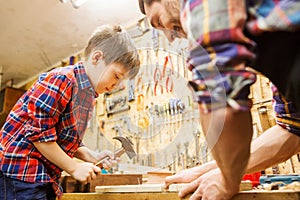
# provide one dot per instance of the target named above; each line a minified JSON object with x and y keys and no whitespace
{"x":148,"y":2}
{"x":117,"y":46}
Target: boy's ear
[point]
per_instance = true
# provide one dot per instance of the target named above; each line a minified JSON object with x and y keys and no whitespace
{"x":96,"y":57}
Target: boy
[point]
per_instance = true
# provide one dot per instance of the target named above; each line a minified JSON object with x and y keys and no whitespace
{"x":45,"y":128}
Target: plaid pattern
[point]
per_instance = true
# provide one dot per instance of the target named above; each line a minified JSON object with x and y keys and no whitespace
{"x":218,"y":45}
{"x":56,"y":108}
{"x":286,"y":114}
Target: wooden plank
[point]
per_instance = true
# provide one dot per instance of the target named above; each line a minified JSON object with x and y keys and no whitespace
{"x":121,"y":196}
{"x":158,"y":177}
{"x":130,"y":188}
{"x":69,"y":184}
{"x":249,"y":195}
{"x":245,"y":185}
{"x":268,"y":195}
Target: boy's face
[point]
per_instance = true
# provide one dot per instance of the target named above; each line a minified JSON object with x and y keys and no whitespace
{"x":165,"y":15}
{"x":112,"y":76}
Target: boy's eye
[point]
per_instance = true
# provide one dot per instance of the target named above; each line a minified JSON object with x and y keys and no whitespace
{"x":159,"y":23}
{"x":176,"y":28}
{"x":176,"y":31}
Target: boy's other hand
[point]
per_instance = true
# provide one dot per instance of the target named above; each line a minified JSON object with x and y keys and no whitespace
{"x":110,"y":160}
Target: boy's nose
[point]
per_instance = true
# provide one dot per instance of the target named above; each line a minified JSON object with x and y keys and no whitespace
{"x":169,"y":35}
{"x":119,"y":85}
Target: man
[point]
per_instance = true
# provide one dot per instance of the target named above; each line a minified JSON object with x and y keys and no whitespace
{"x":222,"y":40}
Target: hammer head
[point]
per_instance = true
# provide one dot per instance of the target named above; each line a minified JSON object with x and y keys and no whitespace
{"x":127,"y":145}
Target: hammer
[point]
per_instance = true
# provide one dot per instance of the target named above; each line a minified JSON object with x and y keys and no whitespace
{"x":126,"y":148}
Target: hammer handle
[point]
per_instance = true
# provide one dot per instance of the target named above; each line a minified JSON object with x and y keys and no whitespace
{"x":117,"y":153}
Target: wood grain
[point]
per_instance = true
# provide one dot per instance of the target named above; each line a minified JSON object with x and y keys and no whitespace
{"x":245,"y":195}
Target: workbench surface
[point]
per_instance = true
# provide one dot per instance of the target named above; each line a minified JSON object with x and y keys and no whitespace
{"x":245,"y":195}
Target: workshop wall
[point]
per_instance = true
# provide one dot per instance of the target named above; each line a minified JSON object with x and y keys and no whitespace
{"x":264,"y":118}
{"x":155,"y":110}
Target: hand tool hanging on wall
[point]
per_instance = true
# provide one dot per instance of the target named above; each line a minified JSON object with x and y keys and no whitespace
{"x":157,"y":78}
{"x":131,"y":96}
{"x":187,"y":157}
{"x":178,"y":154}
{"x":143,"y":121}
{"x":168,"y":71}
{"x":157,"y":84}
{"x":157,"y":72}
{"x":171,"y":107}
{"x":151,"y":160}
{"x":196,"y":134}
{"x":180,"y":106}
{"x":151,"y":119}
{"x":174,"y":161}
{"x":178,"y":56}
{"x":149,"y":72}
{"x":169,"y":83}
{"x":204,"y":149}
{"x":184,"y":64}
{"x":118,"y":130}
{"x":155,"y":39}
{"x":182,"y":160}
{"x":101,"y":127}
{"x":165,"y":66}
{"x":140,"y":97}
{"x":137,"y":139}
{"x":168,"y":64}
{"x":127,"y":121}
{"x":116,"y":105}
{"x":190,"y":102}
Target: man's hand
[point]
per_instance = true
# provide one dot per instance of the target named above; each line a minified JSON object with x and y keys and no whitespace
{"x":110,"y":161}
{"x":210,"y":185}
{"x":188,"y":175}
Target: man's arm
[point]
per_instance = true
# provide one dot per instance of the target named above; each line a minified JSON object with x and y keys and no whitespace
{"x":229,"y":134}
{"x":274,"y":146}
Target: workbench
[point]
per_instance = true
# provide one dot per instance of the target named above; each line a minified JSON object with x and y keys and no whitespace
{"x":244,"y":195}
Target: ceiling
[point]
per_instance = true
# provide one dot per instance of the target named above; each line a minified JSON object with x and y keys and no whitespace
{"x":38,"y":34}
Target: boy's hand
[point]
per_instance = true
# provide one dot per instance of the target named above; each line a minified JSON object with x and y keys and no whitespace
{"x":110,"y":161}
{"x":84,"y":172}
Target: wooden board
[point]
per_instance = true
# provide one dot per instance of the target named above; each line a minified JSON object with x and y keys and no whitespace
{"x":158,"y":177}
{"x":139,"y":188}
{"x":69,"y":184}
{"x":245,"y":185}
{"x":130,"y":188}
{"x":245,"y":195}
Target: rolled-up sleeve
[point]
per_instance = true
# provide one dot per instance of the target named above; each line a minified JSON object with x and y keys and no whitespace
{"x":47,"y":101}
{"x":217,"y":26}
